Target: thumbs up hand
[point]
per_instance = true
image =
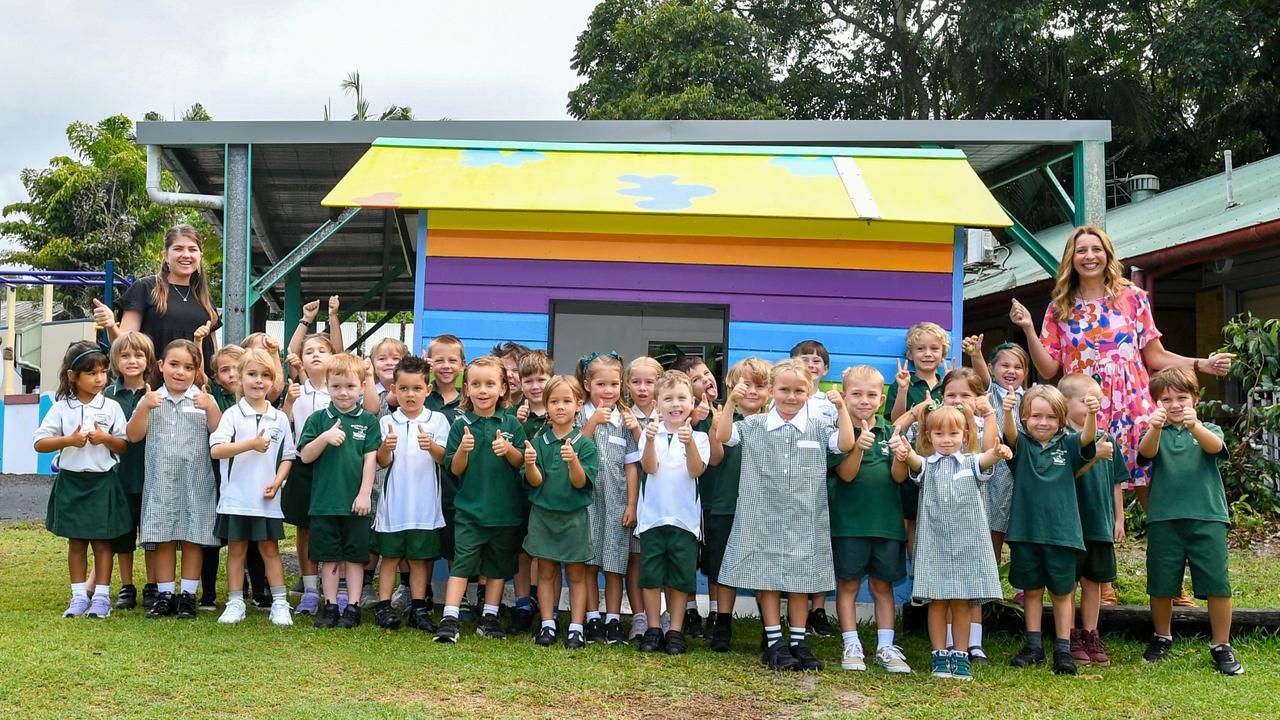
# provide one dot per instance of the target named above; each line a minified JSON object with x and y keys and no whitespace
{"x":335,"y":435}
{"x":389,"y":439}
{"x":425,"y":443}
{"x":152,"y":399}
{"x":685,"y":433}
{"x":203,"y":401}
{"x":530,"y":455}
{"x":468,"y":442}
{"x":102,"y":315}
{"x":866,"y":438}
{"x":702,"y":410}
{"x":651,"y":430}
{"x":260,"y":443}
{"x":500,"y":444}
{"x":78,"y":438}
{"x":522,"y":412}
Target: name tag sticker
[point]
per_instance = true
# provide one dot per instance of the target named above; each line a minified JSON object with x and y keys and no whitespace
{"x":190,"y":409}
{"x":616,"y":440}
{"x":808,"y":444}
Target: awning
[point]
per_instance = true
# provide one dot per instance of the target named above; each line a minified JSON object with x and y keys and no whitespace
{"x":778,"y":192}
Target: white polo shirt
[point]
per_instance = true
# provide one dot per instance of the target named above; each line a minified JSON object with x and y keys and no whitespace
{"x":799,"y":422}
{"x":670,"y":496}
{"x":309,"y":401}
{"x":820,"y":406}
{"x":247,"y":475}
{"x":411,"y":495}
{"x":68,"y":414}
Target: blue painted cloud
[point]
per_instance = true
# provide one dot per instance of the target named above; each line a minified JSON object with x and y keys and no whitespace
{"x":663,"y":192}
{"x":505,"y":158}
{"x":806,"y":166}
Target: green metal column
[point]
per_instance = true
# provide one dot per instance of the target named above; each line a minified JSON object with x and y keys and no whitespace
{"x":1089,"y":172}
{"x":292,"y":301}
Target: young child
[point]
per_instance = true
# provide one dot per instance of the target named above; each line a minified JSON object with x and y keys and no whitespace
{"x":224,"y":386}
{"x":815,"y":357}
{"x":1010,"y":363}
{"x":1101,"y":520}
{"x":409,"y":517}
{"x":1045,"y":536}
{"x":669,"y":515}
{"x":559,"y":467}
{"x":641,"y":376}
{"x":612,"y":510}
{"x":254,"y":445}
{"x":781,"y":537}
{"x":132,"y":356}
{"x":867,"y":534}
{"x":511,"y":353}
{"x":485,"y":452}
{"x":705,"y":393}
{"x":385,"y":356}
{"x":536,"y":369}
{"x":953,"y":567}
{"x":340,"y":442}
{"x":1187,"y":519}
{"x":719,"y":486}
{"x":180,"y":497}
{"x":271,"y":346}
{"x":87,"y":504}
{"x":446,"y":357}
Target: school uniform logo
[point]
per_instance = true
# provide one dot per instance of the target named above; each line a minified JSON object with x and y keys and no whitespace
{"x":1059,"y":457}
{"x":358,"y":432}
{"x":884,"y":448}
{"x":506,"y":435}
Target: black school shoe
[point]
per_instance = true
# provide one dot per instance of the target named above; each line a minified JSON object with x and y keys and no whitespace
{"x":613,"y":634}
{"x":128,"y":598}
{"x":1224,"y":658}
{"x":186,"y":606}
{"x":573,"y":641}
{"x":385,"y":616}
{"x":1157,"y":649}
{"x":778,"y":657}
{"x":350,"y":617}
{"x":448,"y":631}
{"x":149,"y":593}
{"x":595,"y":631}
{"x":419,"y":618}
{"x":805,"y":657}
{"x":208,"y":601}
{"x":521,"y":621}
{"x":676,"y":643}
{"x":1030,"y":655}
{"x":262,"y":602}
{"x":1063,"y":663}
{"x":547,"y":637}
{"x":652,"y":640}
{"x":721,"y":635}
{"x":489,"y":627}
{"x":162,"y":605}
{"x":327,"y":617}
{"x":692,"y":623}
{"x":819,"y":624}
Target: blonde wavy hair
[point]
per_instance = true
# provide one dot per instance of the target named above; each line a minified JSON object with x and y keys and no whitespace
{"x":1066,"y":283}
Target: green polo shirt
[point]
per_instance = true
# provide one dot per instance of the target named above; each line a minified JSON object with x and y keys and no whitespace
{"x":489,"y":490}
{"x":134,"y":461}
{"x":1095,"y":493}
{"x":871,"y":505}
{"x":917,"y":392}
{"x":556,"y":492}
{"x":718,"y":486}
{"x":448,"y":481}
{"x":1185,"y":481}
{"x":338,"y":472}
{"x":535,"y":425}
{"x":436,"y":402}
{"x":1045,"y":510}
{"x":223,"y":397}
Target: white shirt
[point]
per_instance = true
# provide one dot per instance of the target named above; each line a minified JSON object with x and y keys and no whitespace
{"x":411,"y":494}
{"x":68,"y":414}
{"x":670,"y":496}
{"x":247,"y":475}
{"x":309,"y":401}
{"x":800,"y":422}
{"x":615,"y":419}
{"x":821,"y":406}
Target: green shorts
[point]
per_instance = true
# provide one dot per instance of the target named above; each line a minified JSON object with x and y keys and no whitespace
{"x":340,"y":538}
{"x":408,"y":544}
{"x":1098,"y":563}
{"x":481,"y":550}
{"x":880,"y":558}
{"x":295,"y":495}
{"x":1035,"y":565}
{"x":1174,"y":544}
{"x":715,"y":534}
{"x":128,"y":542}
{"x":669,"y":558}
{"x":559,"y":536}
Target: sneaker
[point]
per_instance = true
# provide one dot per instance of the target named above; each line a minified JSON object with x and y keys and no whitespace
{"x":692,"y":623}
{"x":368,"y":596}
{"x":978,"y":656}
{"x":342,"y":601}
{"x":233,"y":613}
{"x":1077,"y":646}
{"x":281,"y":613}
{"x":99,"y":607}
{"x":385,"y":617}
{"x":128,"y":598}
{"x":676,"y":643}
{"x":853,"y":658}
{"x":310,"y":603}
{"x":1224,"y":658}
{"x":892,"y":660}
{"x":350,"y":617}
{"x":595,"y":631}
{"x":489,"y":627}
{"x":1157,"y":649}
{"x":613,"y":633}
{"x":162,"y":606}
{"x":547,"y":637}
{"x":186,"y":606}
{"x":940,"y":664}
{"x":149,"y":593}
{"x":805,"y":657}
{"x":1020,"y":597}
{"x":710,"y":623}
{"x":208,"y":602}
{"x":664,"y":622}
{"x":419,"y":618}
{"x":960,"y":669}
{"x":263,"y":602}
{"x":1030,"y":655}
{"x":466,"y":613}
{"x":778,"y":657}
{"x":448,"y":631}
{"x":652,"y":640}
{"x":400,"y":598}
{"x":1063,"y":663}
{"x":521,"y":621}
{"x":1093,"y":647}
{"x":639,"y":624}
{"x":721,"y":637}
{"x":818,"y":623}
{"x":327,"y":617}
{"x":573,"y":641}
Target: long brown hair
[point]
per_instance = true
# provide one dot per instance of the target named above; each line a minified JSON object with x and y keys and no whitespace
{"x":1066,"y":283}
{"x":160,"y":293}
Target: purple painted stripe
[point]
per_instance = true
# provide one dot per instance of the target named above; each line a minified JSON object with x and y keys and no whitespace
{"x":659,"y":277}
{"x":753,"y":308}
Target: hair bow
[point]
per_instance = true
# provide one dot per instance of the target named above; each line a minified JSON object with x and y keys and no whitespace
{"x":586,"y":361}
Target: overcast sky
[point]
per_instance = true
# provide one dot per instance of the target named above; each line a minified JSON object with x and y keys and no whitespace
{"x":276,"y":60}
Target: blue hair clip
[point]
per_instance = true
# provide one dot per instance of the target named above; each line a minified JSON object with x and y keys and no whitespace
{"x":586,"y":361}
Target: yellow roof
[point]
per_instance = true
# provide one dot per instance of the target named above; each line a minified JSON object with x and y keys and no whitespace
{"x":537,"y":186}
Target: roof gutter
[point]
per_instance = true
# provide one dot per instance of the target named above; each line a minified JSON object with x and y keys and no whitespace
{"x":164,"y":197}
{"x":1153,"y":265}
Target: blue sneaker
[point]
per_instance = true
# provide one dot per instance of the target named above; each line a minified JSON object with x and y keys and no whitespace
{"x":310,"y":603}
{"x":78,"y":607}
{"x":940,"y":662}
{"x":99,"y":607}
{"x":960,"y":669}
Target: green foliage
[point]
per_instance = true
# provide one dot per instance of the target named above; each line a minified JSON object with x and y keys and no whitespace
{"x":353,"y":85}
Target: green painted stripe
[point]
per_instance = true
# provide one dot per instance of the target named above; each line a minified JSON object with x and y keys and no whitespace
{"x":676,"y":149}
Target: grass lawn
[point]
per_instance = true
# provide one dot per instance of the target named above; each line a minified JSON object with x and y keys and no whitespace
{"x":129,"y":666}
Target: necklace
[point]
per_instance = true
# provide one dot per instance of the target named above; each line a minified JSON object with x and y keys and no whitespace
{"x":185,"y":296}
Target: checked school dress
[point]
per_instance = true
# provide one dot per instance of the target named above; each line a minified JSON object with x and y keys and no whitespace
{"x":180,"y":495}
{"x":953,"y":558}
{"x":615,"y":448}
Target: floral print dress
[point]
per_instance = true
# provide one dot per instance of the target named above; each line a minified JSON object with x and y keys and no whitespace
{"x":1104,"y":338}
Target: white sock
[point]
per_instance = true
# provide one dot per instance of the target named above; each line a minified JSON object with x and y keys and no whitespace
{"x":189,"y":586}
{"x":640,"y":616}
{"x":593,"y":615}
{"x":78,"y":589}
{"x":166,"y":587}
{"x":850,"y":638}
{"x":610,"y":617}
{"x":950,"y":640}
{"x":1164,"y":637}
{"x":490,"y":609}
{"x":796,"y":635}
{"x":549,"y":624}
{"x":575,"y":627}
{"x":103,"y":590}
{"x":692,"y":604}
{"x":450,"y":611}
{"x":975,"y":634}
{"x":233,"y":595}
{"x":310,"y":582}
{"x":713,"y":607}
{"x":884,"y":638}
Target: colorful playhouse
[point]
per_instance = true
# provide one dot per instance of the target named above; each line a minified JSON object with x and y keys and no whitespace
{"x":730,"y":251}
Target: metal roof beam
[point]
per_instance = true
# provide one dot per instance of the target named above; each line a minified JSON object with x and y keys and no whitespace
{"x":296,"y":256}
{"x":1028,"y":241}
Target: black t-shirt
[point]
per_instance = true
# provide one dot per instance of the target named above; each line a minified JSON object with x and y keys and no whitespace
{"x":183,"y":316}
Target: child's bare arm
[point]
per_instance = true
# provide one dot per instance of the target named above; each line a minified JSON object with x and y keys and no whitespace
{"x":335,"y":322}
{"x":363,"y":498}
{"x":1209,"y":442}
{"x":1010,"y":426}
{"x":300,"y":332}
{"x":633,"y":493}
{"x":989,"y":458}
{"x":973,"y":348}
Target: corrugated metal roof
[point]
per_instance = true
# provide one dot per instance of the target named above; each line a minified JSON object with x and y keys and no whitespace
{"x":1185,"y":214}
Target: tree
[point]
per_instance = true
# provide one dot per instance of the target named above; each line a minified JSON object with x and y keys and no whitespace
{"x":352,"y":85}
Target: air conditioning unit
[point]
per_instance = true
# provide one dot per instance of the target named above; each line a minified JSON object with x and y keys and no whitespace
{"x":980,"y":247}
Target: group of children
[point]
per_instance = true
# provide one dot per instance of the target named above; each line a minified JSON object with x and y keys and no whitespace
{"x":391,"y":463}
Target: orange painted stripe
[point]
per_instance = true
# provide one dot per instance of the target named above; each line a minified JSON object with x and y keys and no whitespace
{"x":692,"y":250}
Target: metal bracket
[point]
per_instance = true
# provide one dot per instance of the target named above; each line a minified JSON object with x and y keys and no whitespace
{"x":297,"y":255}
{"x":1028,"y":241}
